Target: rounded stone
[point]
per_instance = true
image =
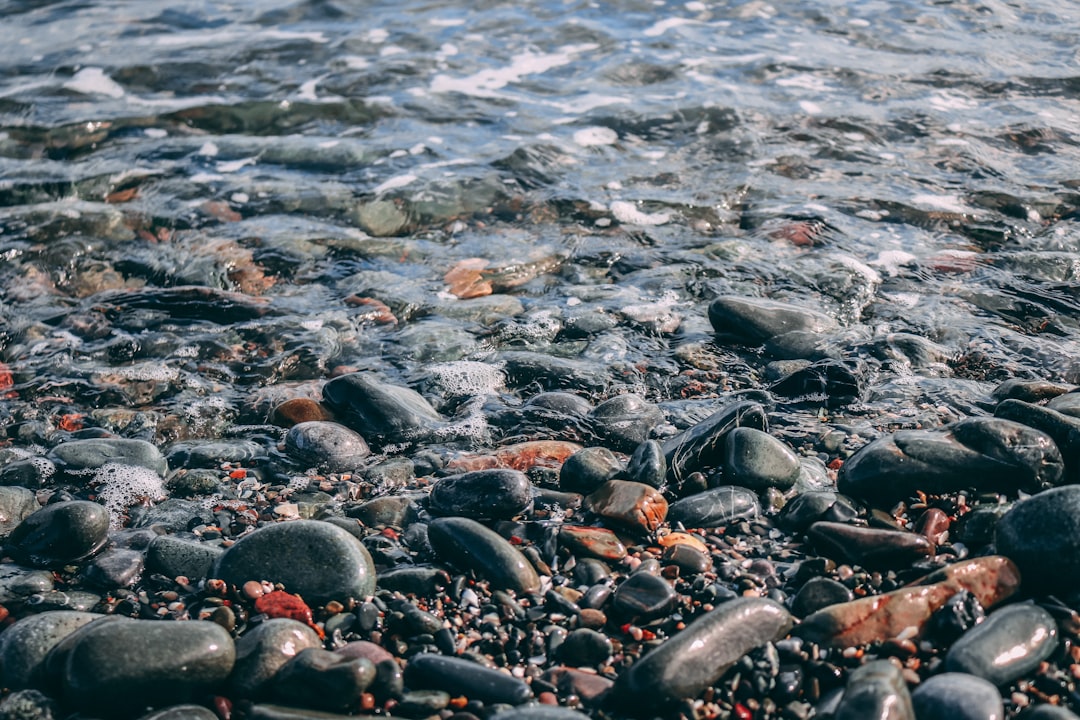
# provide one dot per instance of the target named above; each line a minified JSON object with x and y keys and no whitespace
{"x":468,"y":544}
{"x":643,"y":597}
{"x":818,"y":593}
{"x":428,"y":671}
{"x":24,"y":645}
{"x":957,"y":696}
{"x":181,"y":712}
{"x":585,"y":648}
{"x":876,"y":690}
{"x":539,"y":712}
{"x":626,"y":420}
{"x":588,"y":469}
{"x":755,"y":320}
{"x":496,"y":494}
{"x":647,"y":465}
{"x":318,"y":561}
{"x":61,"y":533}
{"x":126,"y":666}
{"x":261,"y":651}
{"x":16,"y":504}
{"x":756,"y":460}
{"x":172,"y":556}
{"x":1042,"y":536}
{"x":684,"y":665}
{"x":1009,"y":644}
{"x":324,"y":680}
{"x":81,"y":458}
{"x":326,"y":445}
{"x":715,"y":507}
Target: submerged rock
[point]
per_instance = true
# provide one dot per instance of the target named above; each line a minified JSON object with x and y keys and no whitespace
{"x":379,"y":411}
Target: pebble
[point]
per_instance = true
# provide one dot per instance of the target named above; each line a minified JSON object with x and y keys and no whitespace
{"x":384,"y":413}
{"x":18,"y":584}
{"x":78,"y":459}
{"x":172,"y":556}
{"x":701,"y":447}
{"x":807,"y":508}
{"x":957,"y":696}
{"x":1050,"y":712}
{"x":469,"y":545}
{"x":647,"y":465}
{"x":181,"y":712}
{"x":60,"y":533}
{"x":832,"y":383}
{"x":128,"y":655}
{"x":1042,"y":536}
{"x":756,"y":460}
{"x":25,"y":645}
{"x":715,"y":507}
{"x":633,"y":506}
{"x":588,"y":469}
{"x":818,"y":593}
{"x":991,"y":579}
{"x":585,"y":647}
{"x":684,"y":665}
{"x":756,"y":320}
{"x":539,"y":712}
{"x":326,"y":445}
{"x":317,"y":560}
{"x":592,"y":542}
{"x":497,"y":494}
{"x":1010,"y":643}
{"x":877,"y":691}
{"x":995,"y":454}
{"x":263,"y":649}
{"x":626,"y":420}
{"x":872,"y":548}
{"x":643,"y":597}
{"x":16,"y":504}
{"x":324,"y":680}
{"x":463,"y":677}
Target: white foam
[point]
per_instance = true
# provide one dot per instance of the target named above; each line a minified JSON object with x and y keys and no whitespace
{"x":148,"y":371}
{"x":469,"y":377}
{"x":395,"y":182}
{"x":948,"y":203}
{"x":122,"y":486}
{"x":208,"y":149}
{"x":627,"y":213}
{"x":156,"y":133}
{"x":234,"y":165}
{"x":663,"y":26}
{"x":890,"y":261}
{"x":487,"y":83}
{"x":94,"y":81}
{"x":596,"y":136}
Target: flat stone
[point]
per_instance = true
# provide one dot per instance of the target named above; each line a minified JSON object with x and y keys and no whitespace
{"x":756,"y":460}
{"x":812,"y":506}
{"x":317,"y":560}
{"x":539,"y":712}
{"x":1042,"y":536}
{"x":1008,"y":645}
{"x":636,"y":507}
{"x":81,"y":458}
{"x":262,"y":650}
{"x":324,"y":680}
{"x":590,"y":687}
{"x":463,"y":677}
{"x":496,"y":494}
{"x":115,"y":568}
{"x":24,"y":645}
{"x":298,"y":410}
{"x":992,"y":580}
{"x":695,"y":658}
{"x":398,"y":510}
{"x":643,"y":597}
{"x":212,"y":453}
{"x":172,"y":557}
{"x":831,"y":383}
{"x":993,"y":454}
{"x":715,"y":507}
{"x":18,"y":583}
{"x":60,"y":533}
{"x":957,"y":696}
{"x":588,"y":469}
{"x":468,"y":544}
{"x":876,"y":691}
{"x":126,"y":666}
{"x":592,"y":542}
{"x":687,"y":558}
{"x":326,"y":445}
{"x":701,"y":447}
{"x":384,"y":413}
{"x":755,"y":320}
{"x":873,"y":548}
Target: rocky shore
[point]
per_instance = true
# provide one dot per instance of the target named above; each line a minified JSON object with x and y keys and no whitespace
{"x":364,"y":552}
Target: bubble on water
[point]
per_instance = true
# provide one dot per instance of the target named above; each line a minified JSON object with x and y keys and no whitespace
{"x":468,"y":377}
{"x":120,"y":487}
{"x":44,"y":467}
{"x":148,"y":371}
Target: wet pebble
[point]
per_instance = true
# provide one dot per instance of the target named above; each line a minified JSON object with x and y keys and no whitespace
{"x":957,"y":696}
{"x":592,"y":542}
{"x":715,"y":507}
{"x":633,"y":506}
{"x":80,"y":458}
{"x":647,"y":465}
{"x":643,"y":597}
{"x":584,"y":647}
{"x":155,"y":663}
{"x":18,"y":583}
{"x":1042,"y":536}
{"x":468,"y":544}
{"x":324,"y":680}
{"x":701,"y":446}
{"x":25,"y":645}
{"x":326,"y":445}
{"x":807,"y":508}
{"x":317,"y":560}
{"x":463,"y":677}
{"x":818,"y":593}
{"x":873,"y":548}
{"x":626,"y":420}
{"x":756,"y":460}
{"x":496,"y":494}
{"x":539,"y":712}
{"x":876,"y":690}
{"x":1010,"y":643}
{"x":588,"y":469}
{"x":755,"y":320}
{"x":16,"y":504}
{"x":172,"y":556}
{"x":383,"y":412}
{"x":696,"y":657}
{"x":262,"y":650}
{"x":60,"y":533}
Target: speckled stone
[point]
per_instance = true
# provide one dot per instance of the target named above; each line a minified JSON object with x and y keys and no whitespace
{"x":16,"y":504}
{"x":60,"y":533}
{"x":715,"y":507}
{"x":317,"y":560}
{"x":261,"y":651}
{"x":496,"y":494}
{"x":80,"y":458}
{"x":326,"y":445}
{"x":323,"y":680}
{"x":24,"y":645}
{"x":172,"y":556}
{"x":636,"y":507}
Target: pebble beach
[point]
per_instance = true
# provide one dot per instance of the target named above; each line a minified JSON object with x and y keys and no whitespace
{"x":546,"y":361}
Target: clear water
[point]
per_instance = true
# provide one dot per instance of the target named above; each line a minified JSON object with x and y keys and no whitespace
{"x":905,"y":166}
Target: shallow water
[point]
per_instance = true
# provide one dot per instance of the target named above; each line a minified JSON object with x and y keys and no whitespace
{"x":906,"y":167}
